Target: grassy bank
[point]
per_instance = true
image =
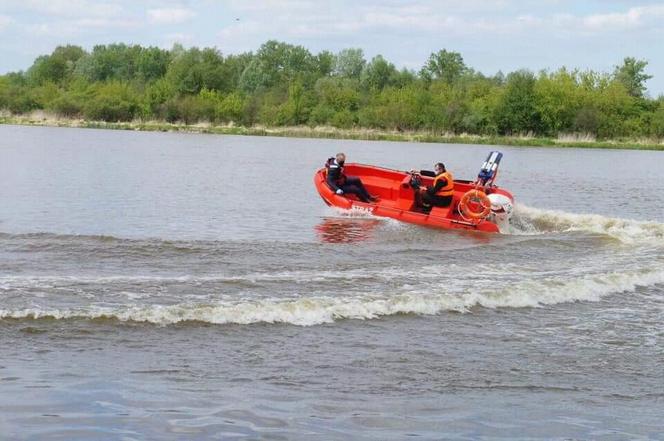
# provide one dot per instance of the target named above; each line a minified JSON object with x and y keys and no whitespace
{"x":577,"y":141}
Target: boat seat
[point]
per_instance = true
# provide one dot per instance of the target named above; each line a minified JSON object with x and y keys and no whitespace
{"x":446,"y":212}
{"x":405,"y":199}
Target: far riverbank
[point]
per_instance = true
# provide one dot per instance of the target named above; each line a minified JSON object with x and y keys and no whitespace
{"x":576,"y":141}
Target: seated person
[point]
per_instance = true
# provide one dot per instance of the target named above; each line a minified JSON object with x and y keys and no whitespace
{"x":342,"y":184}
{"x":439,"y":194}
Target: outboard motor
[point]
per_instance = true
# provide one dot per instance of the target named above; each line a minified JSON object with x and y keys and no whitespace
{"x":501,"y":211}
{"x":489,"y":169}
{"x":501,"y":205}
{"x":486,"y":201}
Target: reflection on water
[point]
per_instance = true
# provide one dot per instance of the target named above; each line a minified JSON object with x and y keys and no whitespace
{"x":341,"y":230}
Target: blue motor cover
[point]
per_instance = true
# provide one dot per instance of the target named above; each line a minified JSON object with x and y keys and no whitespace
{"x":490,"y":167}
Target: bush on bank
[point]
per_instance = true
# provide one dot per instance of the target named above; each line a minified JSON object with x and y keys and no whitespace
{"x":286,"y":85}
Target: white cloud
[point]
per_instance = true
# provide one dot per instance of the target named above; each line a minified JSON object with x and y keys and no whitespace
{"x":529,"y":20}
{"x":77,"y":27}
{"x":633,"y":18}
{"x":5,"y":21}
{"x":266,"y":5}
{"x":73,"y":8}
{"x":422,"y":19}
{"x":491,"y":34}
{"x":170,"y":15}
{"x":306,"y":19}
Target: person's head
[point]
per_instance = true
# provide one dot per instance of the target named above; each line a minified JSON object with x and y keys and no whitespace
{"x":439,"y":168}
{"x":341,"y":158}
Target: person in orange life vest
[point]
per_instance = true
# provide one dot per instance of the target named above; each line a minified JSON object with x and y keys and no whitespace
{"x":439,"y":194}
{"x":342,"y":184}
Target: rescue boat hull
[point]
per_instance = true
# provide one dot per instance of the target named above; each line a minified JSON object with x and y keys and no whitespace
{"x":397,"y":198}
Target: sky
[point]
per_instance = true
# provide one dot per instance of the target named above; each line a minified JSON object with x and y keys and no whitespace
{"x":491,"y":35}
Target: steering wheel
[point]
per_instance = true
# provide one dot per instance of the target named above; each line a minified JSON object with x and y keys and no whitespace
{"x":415,"y":180}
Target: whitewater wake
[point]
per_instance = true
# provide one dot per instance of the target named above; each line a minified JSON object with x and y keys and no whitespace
{"x":316,"y":310}
{"x":426,"y":290}
{"x":530,"y":221}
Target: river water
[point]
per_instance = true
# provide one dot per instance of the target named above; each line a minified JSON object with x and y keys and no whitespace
{"x":179,"y":286}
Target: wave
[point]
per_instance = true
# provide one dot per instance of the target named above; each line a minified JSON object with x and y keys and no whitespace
{"x":60,"y":236}
{"x":451,"y":274}
{"x":529,"y":220}
{"x":46,"y":236}
{"x":99,"y":245}
{"x":8,"y":283}
{"x":525,"y":221}
{"x":316,"y":310}
{"x":535,"y":221}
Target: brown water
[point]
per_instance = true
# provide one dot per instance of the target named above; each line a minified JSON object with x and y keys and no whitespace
{"x":171,"y":286}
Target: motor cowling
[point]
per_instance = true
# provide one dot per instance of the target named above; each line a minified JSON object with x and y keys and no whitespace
{"x":501,"y":210}
{"x":489,"y":169}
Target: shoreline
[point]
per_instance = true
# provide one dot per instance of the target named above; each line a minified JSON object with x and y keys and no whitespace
{"x":571,"y":141}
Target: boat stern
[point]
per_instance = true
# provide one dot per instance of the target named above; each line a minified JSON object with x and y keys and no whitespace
{"x":502,"y":207}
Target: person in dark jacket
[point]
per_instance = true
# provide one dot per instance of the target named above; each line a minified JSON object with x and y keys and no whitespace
{"x":441,"y":193}
{"x":342,"y":184}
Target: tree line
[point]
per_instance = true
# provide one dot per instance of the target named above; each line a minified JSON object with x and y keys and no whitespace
{"x":287,"y":85}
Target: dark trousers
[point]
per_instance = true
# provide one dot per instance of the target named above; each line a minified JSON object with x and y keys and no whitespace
{"x":435,"y":201}
{"x":353,"y":185}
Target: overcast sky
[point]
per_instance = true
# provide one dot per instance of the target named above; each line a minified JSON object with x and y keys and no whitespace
{"x":491,"y":35}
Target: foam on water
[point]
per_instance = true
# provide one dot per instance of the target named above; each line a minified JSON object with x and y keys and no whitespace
{"x":354,"y":212}
{"x":530,"y":220}
{"x":449,"y":272}
{"x":371,"y":291}
{"x":313,"y":310}
{"x":533,"y":221}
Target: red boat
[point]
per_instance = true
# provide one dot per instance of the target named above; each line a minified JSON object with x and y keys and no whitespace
{"x":476,"y":205}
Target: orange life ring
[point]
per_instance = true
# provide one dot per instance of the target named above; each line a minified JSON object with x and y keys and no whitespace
{"x":475,"y":204}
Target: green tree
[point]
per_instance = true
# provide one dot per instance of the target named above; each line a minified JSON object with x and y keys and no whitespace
{"x":279,"y":64}
{"x":481,"y":96}
{"x":657,"y":121}
{"x":378,"y":74}
{"x":517,"y":112}
{"x":296,"y":109}
{"x":112,"y":101}
{"x":404,"y":78}
{"x":109,"y":62}
{"x":254,"y":77}
{"x":445,"y":66}
{"x":57,"y":67}
{"x":321,"y":114}
{"x":632,"y":75}
{"x":338,"y":93}
{"x":230,"y":108}
{"x":70,"y":102}
{"x":615,"y":106}
{"x":325,"y":61}
{"x":285,"y":84}
{"x":193,"y":70}
{"x":155,"y":96}
{"x":558,"y":98}
{"x":349,"y":63}
{"x":450,"y":106}
{"x":67,"y":104}
{"x":152,"y":64}
{"x":234,"y":66}
{"x":44,"y":94}
{"x":15,"y":94}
